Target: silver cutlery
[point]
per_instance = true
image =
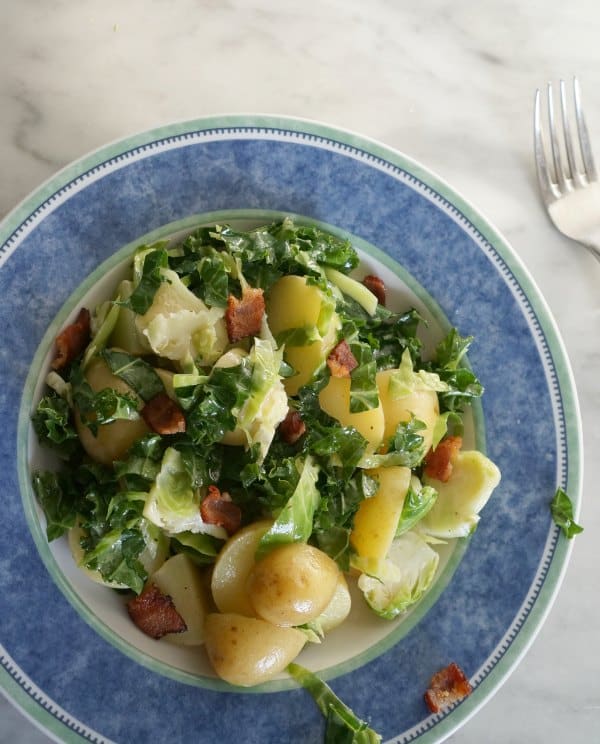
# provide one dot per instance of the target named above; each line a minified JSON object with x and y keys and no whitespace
{"x":565,"y":166}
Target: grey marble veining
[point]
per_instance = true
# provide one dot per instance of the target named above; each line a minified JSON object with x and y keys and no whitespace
{"x":450,"y":84}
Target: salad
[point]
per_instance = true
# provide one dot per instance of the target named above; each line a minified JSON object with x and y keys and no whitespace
{"x":244,"y":429}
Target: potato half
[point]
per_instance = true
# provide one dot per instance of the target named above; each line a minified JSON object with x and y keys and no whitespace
{"x":114,"y":439}
{"x":293,"y":584}
{"x":247,"y":650}
{"x":232,"y":568}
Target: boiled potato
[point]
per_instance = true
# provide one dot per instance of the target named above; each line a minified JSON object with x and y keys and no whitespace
{"x":247,"y":650}
{"x":334,"y":399}
{"x":377,"y":517}
{"x":292,"y":584}
{"x":423,"y":404}
{"x":180,"y":579}
{"x":292,"y":303}
{"x":232,"y":568}
{"x":114,"y":439}
{"x":461,"y":498}
{"x":338,"y":608}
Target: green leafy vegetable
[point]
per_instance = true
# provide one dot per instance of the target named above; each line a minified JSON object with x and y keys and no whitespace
{"x":53,"y":494}
{"x":201,"y":548}
{"x":103,"y":407}
{"x":561,"y":508}
{"x":115,"y":555}
{"x":342,"y":724}
{"x":154,"y":260}
{"x":463,"y":385}
{"x":404,"y":577}
{"x":173,"y":503}
{"x":138,"y":374}
{"x":53,"y":427}
{"x":217,"y":403}
{"x":417,"y":502}
{"x":295,"y":521}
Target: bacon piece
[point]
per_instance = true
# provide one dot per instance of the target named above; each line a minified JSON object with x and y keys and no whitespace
{"x":218,"y":508}
{"x":341,"y":360}
{"x":446,"y":687}
{"x":439,"y":462}
{"x":163,"y":415}
{"x":154,"y":613}
{"x":244,"y":317}
{"x":375,"y":285}
{"x":72,"y":340}
{"x":292,"y":427}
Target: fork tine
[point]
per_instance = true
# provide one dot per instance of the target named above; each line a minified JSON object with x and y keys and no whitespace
{"x":559,"y":172}
{"x":543,"y":173}
{"x":584,"y":140}
{"x":573,"y":173}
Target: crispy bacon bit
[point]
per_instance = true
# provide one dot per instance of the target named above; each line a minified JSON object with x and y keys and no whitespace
{"x":163,"y":415}
{"x":292,"y":427}
{"x":439,"y":462}
{"x":218,"y":508}
{"x":244,"y":317}
{"x":446,"y":687}
{"x":341,"y":360}
{"x":71,"y":341}
{"x":375,"y":285}
{"x":154,"y":613}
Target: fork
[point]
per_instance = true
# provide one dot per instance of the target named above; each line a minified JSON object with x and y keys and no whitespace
{"x":566,"y":171}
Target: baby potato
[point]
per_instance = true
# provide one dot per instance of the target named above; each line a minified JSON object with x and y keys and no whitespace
{"x":422,"y":404}
{"x":338,"y":608}
{"x":334,"y":399}
{"x":292,"y":584}
{"x":232,"y":568}
{"x":180,"y":579}
{"x":114,"y":439}
{"x":247,"y":650}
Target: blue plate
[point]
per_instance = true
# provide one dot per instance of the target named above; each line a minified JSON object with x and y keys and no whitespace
{"x":63,"y":663}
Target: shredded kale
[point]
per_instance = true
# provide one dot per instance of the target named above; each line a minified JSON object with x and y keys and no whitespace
{"x":561,"y":508}
{"x":53,"y":425}
{"x":138,"y":374}
{"x":142,"y":296}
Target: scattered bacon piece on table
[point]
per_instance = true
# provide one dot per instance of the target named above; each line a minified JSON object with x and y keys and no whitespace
{"x":438,"y":463}
{"x":163,"y":415}
{"x":446,"y":687}
{"x":341,"y":361}
{"x":218,"y":508}
{"x":154,"y":613}
{"x":72,"y":340}
{"x":292,"y":427}
{"x":375,"y":284}
{"x":243,"y":317}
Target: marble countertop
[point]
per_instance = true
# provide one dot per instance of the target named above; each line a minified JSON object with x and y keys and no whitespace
{"x":450,"y":84}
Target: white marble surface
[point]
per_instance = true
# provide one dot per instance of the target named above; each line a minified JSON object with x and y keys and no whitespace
{"x":452,"y":85}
